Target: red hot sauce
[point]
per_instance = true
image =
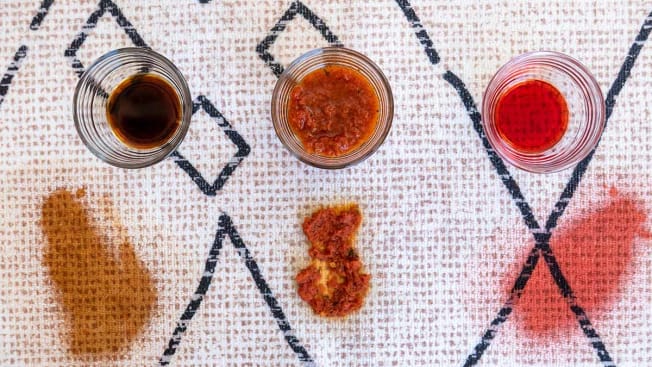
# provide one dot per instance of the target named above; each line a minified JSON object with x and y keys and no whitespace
{"x":531,"y":116}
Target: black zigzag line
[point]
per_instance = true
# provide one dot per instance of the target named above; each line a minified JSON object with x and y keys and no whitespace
{"x":71,"y":51}
{"x":12,"y":69}
{"x":610,"y":102}
{"x":498,"y":163}
{"x":317,"y":22}
{"x":197,"y":297}
{"x":229,"y":168}
{"x":40,"y":15}
{"x":226,"y":228}
{"x":506,"y":309}
{"x":501,"y":169}
{"x":526,"y":213}
{"x":580,"y":315}
{"x":504,"y":175}
{"x":91,"y":23}
{"x":263,"y":47}
{"x":123,"y":23}
{"x":22,"y":50}
{"x":266,"y":292}
{"x":297,"y":7}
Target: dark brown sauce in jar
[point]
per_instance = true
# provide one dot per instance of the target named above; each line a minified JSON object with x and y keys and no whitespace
{"x":144,"y":111}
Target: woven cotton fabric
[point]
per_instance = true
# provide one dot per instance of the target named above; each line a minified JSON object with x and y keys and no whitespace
{"x":191,"y":262}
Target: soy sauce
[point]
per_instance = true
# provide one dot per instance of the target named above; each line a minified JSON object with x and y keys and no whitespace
{"x":144,"y":111}
{"x":532,"y":116}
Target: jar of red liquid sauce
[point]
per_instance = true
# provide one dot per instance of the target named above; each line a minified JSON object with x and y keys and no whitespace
{"x":543,"y":112}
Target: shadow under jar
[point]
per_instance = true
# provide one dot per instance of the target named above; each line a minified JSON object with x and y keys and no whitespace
{"x":132,"y":107}
{"x":543,"y":112}
{"x":332,"y":107}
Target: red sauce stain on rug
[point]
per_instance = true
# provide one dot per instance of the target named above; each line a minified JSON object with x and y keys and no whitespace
{"x":105,"y":292}
{"x":594,"y":253}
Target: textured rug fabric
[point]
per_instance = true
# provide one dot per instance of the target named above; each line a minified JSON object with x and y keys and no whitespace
{"x":192,"y":262}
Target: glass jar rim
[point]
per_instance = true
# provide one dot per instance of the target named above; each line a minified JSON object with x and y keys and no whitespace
{"x":146,"y":157}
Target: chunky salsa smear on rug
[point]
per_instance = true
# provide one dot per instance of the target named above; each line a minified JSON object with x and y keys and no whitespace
{"x":333,"y":110}
{"x":334,"y":283}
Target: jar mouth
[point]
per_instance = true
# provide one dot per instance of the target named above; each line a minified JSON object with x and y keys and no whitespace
{"x":581,"y":92}
{"x":318,"y":59}
{"x":92,"y":94}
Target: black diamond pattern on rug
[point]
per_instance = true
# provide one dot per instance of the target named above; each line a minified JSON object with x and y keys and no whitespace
{"x":297,"y":7}
{"x":103,"y":7}
{"x":211,"y":189}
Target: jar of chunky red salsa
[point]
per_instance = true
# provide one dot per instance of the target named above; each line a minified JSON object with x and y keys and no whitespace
{"x":332,"y":107}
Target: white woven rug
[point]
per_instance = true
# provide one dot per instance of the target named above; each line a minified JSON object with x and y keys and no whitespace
{"x":446,"y":229}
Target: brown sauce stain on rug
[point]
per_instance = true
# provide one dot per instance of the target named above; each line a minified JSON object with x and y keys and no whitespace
{"x":594,"y":252}
{"x":105,"y":292}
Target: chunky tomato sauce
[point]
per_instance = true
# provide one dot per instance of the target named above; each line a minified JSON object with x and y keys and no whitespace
{"x":333,"y":110}
{"x":334,"y":283}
